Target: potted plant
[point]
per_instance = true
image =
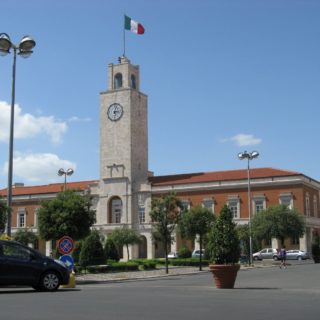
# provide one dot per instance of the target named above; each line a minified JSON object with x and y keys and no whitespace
{"x":224,"y":250}
{"x":315,"y":249}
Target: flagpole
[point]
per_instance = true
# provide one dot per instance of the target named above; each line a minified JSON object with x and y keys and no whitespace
{"x":124,"y":37}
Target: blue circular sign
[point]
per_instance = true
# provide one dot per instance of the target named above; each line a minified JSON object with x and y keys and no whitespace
{"x":65,"y":245}
{"x":68,"y":261}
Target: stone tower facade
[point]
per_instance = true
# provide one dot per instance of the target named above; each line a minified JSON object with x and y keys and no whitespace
{"x":123,"y":193}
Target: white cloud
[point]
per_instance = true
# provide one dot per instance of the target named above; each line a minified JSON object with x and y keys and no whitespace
{"x":27,"y":126}
{"x":77,"y":119}
{"x":242,"y":140}
{"x":38,"y":167}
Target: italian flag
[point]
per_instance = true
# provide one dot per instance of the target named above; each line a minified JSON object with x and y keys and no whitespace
{"x":133,"y":26}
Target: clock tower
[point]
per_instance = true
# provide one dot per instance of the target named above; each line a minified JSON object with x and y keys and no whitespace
{"x":124,"y":194}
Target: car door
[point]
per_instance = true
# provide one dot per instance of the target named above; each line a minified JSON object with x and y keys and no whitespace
{"x":264,"y":253}
{"x":17,"y":264}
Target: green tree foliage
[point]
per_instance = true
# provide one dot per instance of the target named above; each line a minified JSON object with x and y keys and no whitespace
{"x":184,"y":252}
{"x":76,"y":251}
{"x":68,"y":214}
{"x":3,"y":215}
{"x":124,"y":237}
{"x":165,"y":215}
{"x":110,"y":250}
{"x":197,"y":221}
{"x":25,"y":236}
{"x":224,"y":245}
{"x":92,"y":252}
{"x":278,"y":222}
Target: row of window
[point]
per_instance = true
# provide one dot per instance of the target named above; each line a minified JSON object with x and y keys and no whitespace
{"x":233,"y":202}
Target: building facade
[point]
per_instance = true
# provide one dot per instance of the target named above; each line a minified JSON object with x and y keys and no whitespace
{"x":122,"y":195}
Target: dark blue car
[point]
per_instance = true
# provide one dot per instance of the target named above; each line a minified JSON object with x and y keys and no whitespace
{"x":21,"y":265}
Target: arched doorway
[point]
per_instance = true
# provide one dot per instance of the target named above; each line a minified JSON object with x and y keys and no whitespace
{"x":143,"y":248}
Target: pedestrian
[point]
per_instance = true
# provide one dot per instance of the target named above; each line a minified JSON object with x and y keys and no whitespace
{"x":283,"y":257}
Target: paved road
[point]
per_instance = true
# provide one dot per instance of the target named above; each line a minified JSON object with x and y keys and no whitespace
{"x":261,"y":293}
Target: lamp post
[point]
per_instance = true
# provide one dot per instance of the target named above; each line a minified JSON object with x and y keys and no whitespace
{"x":24,"y":49}
{"x":249,"y":156}
{"x":62,"y":172}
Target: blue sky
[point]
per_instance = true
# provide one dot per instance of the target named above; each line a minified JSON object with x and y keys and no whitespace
{"x":222,"y":76}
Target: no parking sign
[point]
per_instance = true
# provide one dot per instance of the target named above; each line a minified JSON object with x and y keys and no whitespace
{"x":65,"y":245}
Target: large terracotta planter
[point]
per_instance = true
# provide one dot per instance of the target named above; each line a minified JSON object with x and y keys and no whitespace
{"x":224,"y":275}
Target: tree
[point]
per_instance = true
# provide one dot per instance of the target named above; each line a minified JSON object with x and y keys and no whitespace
{"x":25,"y":236}
{"x":68,"y":214}
{"x":3,"y":215}
{"x":224,"y":245}
{"x":92,"y":251}
{"x":278,"y":222}
{"x":110,"y":250}
{"x":76,"y":251}
{"x":197,"y":221}
{"x":124,"y":237}
{"x":165,"y":215}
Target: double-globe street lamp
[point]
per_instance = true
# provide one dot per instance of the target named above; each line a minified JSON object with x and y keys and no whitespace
{"x":66,"y":173}
{"x":24,"y":49}
{"x":249,"y":156}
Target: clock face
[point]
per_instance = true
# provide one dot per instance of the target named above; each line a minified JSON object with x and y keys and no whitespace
{"x":115,"y":111}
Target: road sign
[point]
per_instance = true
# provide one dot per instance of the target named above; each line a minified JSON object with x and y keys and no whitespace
{"x":65,"y":245}
{"x":68,"y":261}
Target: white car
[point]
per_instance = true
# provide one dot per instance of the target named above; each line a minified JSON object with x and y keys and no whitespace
{"x":172,"y":255}
{"x":267,"y":253}
{"x":196,"y":253}
{"x":297,"y":255}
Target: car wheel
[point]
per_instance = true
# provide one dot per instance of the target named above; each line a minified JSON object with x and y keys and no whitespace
{"x":50,"y":281}
{"x":275,"y":258}
{"x":299,"y":258}
{"x":255,"y":258}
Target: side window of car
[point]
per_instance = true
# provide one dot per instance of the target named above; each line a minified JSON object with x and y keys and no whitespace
{"x":264,"y":251}
{"x":16,"y":252}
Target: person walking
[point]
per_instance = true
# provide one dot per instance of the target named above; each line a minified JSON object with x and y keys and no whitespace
{"x":283,"y":257}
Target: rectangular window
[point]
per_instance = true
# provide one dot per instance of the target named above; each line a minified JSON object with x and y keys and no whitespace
{"x":258,"y":205}
{"x":185,"y":204}
{"x":208,"y":204}
{"x":142,"y":215}
{"x":21,"y":220}
{"x":315,"y":206}
{"x":286,"y":199}
{"x":307,"y":204}
{"x":234,"y":207}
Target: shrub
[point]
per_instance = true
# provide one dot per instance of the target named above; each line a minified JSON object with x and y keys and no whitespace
{"x":110,"y":250}
{"x":191,"y":262}
{"x":184,"y":252}
{"x":224,"y":244}
{"x":92,"y":251}
{"x":76,"y":252}
{"x":124,"y":266}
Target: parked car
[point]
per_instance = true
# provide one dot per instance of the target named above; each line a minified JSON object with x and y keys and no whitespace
{"x":196,"y":253}
{"x":172,"y":255}
{"x":267,"y":253}
{"x":21,"y":265}
{"x":297,"y":255}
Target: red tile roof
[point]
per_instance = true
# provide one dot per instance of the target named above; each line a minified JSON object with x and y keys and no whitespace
{"x":47,"y":189}
{"x":220,"y":176}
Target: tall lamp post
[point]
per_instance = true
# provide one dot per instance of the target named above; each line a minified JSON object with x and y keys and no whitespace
{"x":249,"y":156}
{"x":62,"y":172}
{"x":24,"y":49}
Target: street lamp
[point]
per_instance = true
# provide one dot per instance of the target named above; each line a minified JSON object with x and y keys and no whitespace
{"x":24,"y":48}
{"x":249,"y":156}
{"x":62,"y":172}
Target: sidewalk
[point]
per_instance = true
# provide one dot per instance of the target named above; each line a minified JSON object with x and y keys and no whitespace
{"x":91,"y":278}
